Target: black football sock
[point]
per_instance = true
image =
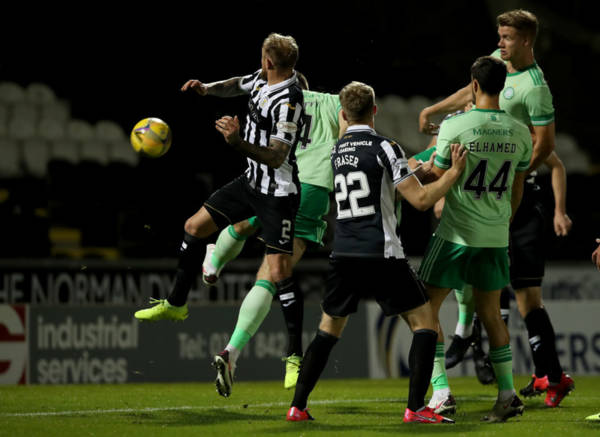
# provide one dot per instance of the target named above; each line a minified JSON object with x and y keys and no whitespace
{"x":190,"y":263}
{"x":291,"y":300}
{"x":312,"y":366}
{"x":505,"y":304}
{"x":542,"y":341}
{"x":420,"y":361}
{"x":476,"y":335}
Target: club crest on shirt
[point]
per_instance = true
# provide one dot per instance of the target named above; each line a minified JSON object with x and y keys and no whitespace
{"x":508,"y":93}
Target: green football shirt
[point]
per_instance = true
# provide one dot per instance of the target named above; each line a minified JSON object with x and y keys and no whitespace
{"x":477,"y":210}
{"x":321,"y":130}
{"x":526,"y":96}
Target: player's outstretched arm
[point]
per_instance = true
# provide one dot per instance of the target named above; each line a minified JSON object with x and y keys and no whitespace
{"x":562,"y":222}
{"x":423,"y":197}
{"x":450,"y":104}
{"x":223,"y":88}
{"x":273,"y":155}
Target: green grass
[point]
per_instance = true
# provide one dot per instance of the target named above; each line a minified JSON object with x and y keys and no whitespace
{"x":341,"y":407}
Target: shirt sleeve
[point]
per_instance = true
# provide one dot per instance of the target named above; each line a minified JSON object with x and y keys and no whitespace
{"x":443,"y":157}
{"x":287,"y":121}
{"x":539,"y":105}
{"x":247,"y":82}
{"x":424,"y":155}
{"x":392,"y":157}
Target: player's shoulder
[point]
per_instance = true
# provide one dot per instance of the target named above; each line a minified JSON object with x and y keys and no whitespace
{"x":456,"y":120}
{"x":453,"y":115}
{"x":534,"y":77}
{"x":316,"y":96}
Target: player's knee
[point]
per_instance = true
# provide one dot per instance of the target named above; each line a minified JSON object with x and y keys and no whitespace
{"x":200,"y":225}
{"x":333,"y":325}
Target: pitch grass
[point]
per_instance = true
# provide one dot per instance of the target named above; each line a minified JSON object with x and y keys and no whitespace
{"x":341,"y":407}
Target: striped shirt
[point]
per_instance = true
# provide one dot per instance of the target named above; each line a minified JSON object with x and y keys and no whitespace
{"x":274,"y":112}
{"x":366,"y":168}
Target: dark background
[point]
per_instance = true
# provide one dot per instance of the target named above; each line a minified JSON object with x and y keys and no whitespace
{"x":121,"y":65}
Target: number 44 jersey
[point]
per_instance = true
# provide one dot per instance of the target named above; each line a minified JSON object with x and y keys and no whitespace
{"x":366,"y":169}
{"x":478,"y":209}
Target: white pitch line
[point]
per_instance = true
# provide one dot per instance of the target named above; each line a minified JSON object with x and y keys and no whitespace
{"x":191,"y":407}
{"x":223,"y":407}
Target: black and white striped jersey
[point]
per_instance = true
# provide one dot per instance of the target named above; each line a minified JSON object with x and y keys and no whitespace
{"x":275,"y":111}
{"x":366,"y":169}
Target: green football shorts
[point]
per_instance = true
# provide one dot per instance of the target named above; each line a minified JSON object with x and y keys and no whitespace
{"x":451,"y":265}
{"x":314,"y":205}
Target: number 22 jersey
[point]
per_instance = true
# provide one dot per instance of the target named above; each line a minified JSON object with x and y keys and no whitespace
{"x":366,"y":169}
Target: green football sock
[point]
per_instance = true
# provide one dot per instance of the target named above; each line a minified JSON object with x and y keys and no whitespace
{"x":501,"y":358}
{"x":466,"y":309}
{"x":254,"y":309}
{"x":439,"y":378}
{"x":228,"y":246}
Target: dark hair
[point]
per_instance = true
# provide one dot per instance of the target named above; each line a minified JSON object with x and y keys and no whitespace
{"x":490,"y":73}
{"x":357,"y":101}
{"x":524,"y":21}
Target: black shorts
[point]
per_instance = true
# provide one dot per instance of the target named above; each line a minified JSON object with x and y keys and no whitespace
{"x":527,"y":248}
{"x":391,"y":282}
{"x":237,"y":201}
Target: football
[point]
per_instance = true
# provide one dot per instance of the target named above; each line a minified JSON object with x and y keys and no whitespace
{"x":151,"y":137}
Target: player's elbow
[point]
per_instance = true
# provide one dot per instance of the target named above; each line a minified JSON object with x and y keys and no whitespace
{"x":422,"y":202}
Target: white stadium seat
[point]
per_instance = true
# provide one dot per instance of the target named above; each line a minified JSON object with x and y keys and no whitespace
{"x":39,"y":93}
{"x":11,"y":92}
{"x":95,"y":151}
{"x":35,"y":157}
{"x":65,"y":150}
{"x":107,"y":130}
{"x":10,"y":164}
{"x":80,"y":130}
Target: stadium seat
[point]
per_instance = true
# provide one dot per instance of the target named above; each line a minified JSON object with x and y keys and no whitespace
{"x":39,"y":93}
{"x":575,"y":159}
{"x":4,"y":112}
{"x":10,"y":164}
{"x":35,"y":157}
{"x":107,"y":130}
{"x":11,"y":93}
{"x":21,"y":128}
{"x":121,"y":151}
{"x":79,"y":130}
{"x":94,"y":151}
{"x":51,"y":129}
{"x":25,"y":110}
{"x":58,"y":110}
{"x":64,"y":150}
